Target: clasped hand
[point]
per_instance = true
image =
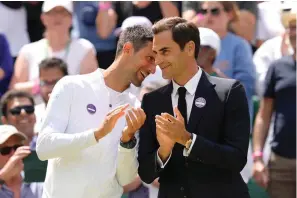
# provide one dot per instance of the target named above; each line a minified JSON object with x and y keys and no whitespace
{"x":135,"y":118}
{"x":171,"y":129}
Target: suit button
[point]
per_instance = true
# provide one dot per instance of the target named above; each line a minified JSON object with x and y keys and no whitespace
{"x":182,"y":188}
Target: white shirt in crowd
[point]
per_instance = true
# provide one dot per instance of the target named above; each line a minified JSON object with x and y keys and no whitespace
{"x":267,"y":12}
{"x":267,"y":53}
{"x":73,"y":55}
{"x":13,"y":24}
{"x":78,"y":166}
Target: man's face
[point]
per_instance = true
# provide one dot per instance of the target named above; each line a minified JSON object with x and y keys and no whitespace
{"x":143,"y":63}
{"x":48,"y":78}
{"x":20,"y":114}
{"x":57,"y":19}
{"x":206,"y":57}
{"x":10,"y":145}
{"x":169,"y":56}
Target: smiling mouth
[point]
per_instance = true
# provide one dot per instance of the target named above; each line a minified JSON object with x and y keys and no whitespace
{"x":143,"y":74}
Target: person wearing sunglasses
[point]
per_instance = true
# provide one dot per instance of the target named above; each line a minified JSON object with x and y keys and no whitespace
{"x":12,"y":153}
{"x":51,"y":70}
{"x":18,"y":110}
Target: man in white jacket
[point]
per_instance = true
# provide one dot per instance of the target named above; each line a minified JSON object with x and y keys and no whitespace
{"x":90,"y":148}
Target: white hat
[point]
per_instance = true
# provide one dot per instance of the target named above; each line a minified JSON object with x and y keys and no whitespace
{"x":6,"y":131}
{"x":134,"y":20}
{"x":209,"y":38}
{"x":48,"y":5}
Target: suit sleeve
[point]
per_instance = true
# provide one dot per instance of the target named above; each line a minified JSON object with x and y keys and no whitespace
{"x":149,"y":168}
{"x":52,"y":141}
{"x":231,"y":153}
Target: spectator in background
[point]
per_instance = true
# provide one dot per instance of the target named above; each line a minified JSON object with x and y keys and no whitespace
{"x":11,"y":165}
{"x":79,"y":54}
{"x":51,"y":70}
{"x":114,"y":13}
{"x":273,"y":49}
{"x":6,"y":65}
{"x":279,"y":97}
{"x":210,"y":44}
{"x":235,"y":58}
{"x":13,"y":24}
{"x":244,"y":23}
{"x":18,"y":110}
{"x":85,"y":13}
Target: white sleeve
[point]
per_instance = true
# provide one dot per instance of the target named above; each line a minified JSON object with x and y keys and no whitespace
{"x":52,"y":142}
{"x":127,"y":167}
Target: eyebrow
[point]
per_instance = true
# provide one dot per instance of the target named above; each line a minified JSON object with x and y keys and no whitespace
{"x":161,"y":50}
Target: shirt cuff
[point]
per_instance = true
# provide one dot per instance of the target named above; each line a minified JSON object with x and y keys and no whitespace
{"x":186,"y":152}
{"x":160,"y":161}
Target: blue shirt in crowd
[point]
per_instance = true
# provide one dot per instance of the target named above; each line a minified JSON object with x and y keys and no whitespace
{"x":236,"y":61}
{"x":6,"y":64}
{"x":280,"y":85}
{"x":85,"y":23}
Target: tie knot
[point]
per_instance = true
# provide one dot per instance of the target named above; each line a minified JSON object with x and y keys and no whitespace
{"x":182,"y":91}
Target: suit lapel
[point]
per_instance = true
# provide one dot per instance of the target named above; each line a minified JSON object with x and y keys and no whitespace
{"x":166,"y":103}
{"x":202,"y":96}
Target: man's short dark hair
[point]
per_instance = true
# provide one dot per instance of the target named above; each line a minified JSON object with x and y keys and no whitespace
{"x":58,"y":63}
{"x":182,"y":31}
{"x":12,"y":94}
{"x":138,"y":35}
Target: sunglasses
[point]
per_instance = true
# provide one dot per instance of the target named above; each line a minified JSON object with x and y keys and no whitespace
{"x":48,"y":83}
{"x":213,"y":11}
{"x":29,"y":109}
{"x":7,"y":150}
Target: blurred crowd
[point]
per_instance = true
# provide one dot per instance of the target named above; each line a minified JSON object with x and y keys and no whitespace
{"x":251,"y":41}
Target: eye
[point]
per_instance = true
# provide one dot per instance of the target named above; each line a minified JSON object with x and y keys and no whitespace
{"x":150,"y":59}
{"x":165,"y":52}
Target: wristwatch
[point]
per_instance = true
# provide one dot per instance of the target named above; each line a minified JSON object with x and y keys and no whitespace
{"x":189,"y":142}
{"x":129,"y":145}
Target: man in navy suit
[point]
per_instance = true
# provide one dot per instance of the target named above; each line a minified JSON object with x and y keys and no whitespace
{"x":196,"y":135}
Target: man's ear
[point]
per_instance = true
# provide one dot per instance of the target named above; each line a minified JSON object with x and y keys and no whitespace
{"x":128,"y":48}
{"x":190,"y":48}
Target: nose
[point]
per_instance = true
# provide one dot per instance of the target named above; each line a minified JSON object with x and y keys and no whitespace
{"x":158,"y":60}
{"x":23,"y":112}
{"x":153,"y":68}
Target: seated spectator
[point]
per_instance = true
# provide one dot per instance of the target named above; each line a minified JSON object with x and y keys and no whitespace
{"x":12,"y":154}
{"x":6,"y":65}
{"x":114,"y":13}
{"x":79,"y":54}
{"x":18,"y":110}
{"x":210,"y":44}
{"x":51,"y":70}
{"x":242,"y":21}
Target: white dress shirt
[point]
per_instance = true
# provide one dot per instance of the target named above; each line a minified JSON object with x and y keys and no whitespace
{"x":78,"y":166}
{"x":191,"y":87}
